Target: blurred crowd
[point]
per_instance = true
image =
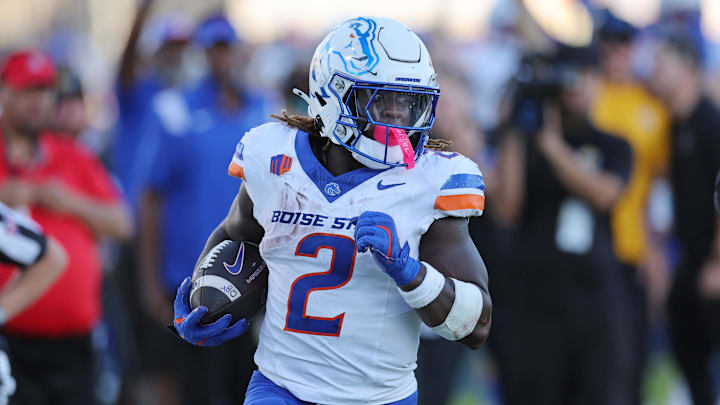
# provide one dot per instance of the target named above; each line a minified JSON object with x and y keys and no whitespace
{"x":599,"y":232}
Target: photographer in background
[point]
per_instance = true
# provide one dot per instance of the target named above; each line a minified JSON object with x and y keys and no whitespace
{"x":694,"y":304}
{"x":558,"y":179}
{"x":624,"y":108}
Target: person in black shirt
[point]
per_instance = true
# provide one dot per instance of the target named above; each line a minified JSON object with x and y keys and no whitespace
{"x":694,"y":304}
{"x":556,"y":186}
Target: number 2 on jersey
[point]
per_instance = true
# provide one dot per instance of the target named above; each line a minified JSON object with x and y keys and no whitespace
{"x":341,"y":269}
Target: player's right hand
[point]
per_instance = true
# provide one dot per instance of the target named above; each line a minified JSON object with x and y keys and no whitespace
{"x":376,"y":231}
{"x":187,"y":322}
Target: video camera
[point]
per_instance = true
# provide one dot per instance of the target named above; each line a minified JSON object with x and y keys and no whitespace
{"x":537,"y":82}
{"x":540,"y":79}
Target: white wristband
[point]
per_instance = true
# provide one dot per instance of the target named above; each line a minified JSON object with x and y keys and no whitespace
{"x":422,"y":295}
{"x":464,"y":314}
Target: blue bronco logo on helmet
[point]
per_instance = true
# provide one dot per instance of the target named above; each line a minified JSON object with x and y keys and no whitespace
{"x":353,"y":44}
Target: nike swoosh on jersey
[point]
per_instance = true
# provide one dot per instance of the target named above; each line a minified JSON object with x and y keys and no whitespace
{"x":381,"y":186}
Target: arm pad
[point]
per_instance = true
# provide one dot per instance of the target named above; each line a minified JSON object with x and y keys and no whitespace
{"x":464,"y":314}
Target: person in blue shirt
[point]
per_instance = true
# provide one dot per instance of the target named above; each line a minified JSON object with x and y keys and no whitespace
{"x":187,"y":194}
{"x":165,"y":39}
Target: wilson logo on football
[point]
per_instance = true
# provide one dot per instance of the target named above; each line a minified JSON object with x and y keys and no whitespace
{"x":236,"y":267}
{"x":280,"y":164}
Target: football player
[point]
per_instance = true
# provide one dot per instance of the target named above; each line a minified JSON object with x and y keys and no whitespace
{"x":41,"y":260}
{"x":363,"y":226}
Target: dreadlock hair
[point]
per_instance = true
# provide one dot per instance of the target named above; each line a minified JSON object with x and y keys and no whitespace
{"x":301,"y":122}
{"x":310,"y":125}
{"x":438,"y":144}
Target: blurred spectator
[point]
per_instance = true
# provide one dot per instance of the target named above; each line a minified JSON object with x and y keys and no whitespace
{"x":558,"y":178}
{"x":137,"y":83}
{"x":71,"y":116}
{"x":68,"y":192}
{"x":188,"y":192}
{"x":694,"y":305}
{"x":152,"y":61}
{"x":112,"y":340}
{"x":623,"y":107}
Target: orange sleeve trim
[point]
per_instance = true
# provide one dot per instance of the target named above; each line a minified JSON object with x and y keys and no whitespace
{"x":178,"y":321}
{"x":460,"y":202}
{"x":236,"y":170}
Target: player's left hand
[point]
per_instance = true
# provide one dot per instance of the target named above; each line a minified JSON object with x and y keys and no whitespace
{"x":187,"y":322}
{"x":376,"y":231}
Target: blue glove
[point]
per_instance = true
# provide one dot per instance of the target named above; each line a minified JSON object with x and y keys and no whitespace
{"x":376,"y":231}
{"x":187,"y":322}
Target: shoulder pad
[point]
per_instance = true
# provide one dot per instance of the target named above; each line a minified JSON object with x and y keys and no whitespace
{"x":463,"y":192}
{"x":256,"y":143}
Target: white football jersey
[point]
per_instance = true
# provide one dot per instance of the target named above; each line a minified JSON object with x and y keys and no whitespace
{"x":336,"y":330}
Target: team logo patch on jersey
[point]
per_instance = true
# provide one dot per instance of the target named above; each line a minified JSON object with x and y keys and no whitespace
{"x":332,"y":189}
{"x":280,"y":164}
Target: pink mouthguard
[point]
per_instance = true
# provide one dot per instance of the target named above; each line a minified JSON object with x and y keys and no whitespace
{"x":397,"y":137}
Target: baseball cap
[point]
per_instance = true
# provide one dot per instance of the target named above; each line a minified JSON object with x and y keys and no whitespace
{"x":28,"y":68}
{"x":213,"y":30}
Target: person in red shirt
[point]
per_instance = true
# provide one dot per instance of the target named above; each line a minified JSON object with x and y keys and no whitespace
{"x":67,"y":191}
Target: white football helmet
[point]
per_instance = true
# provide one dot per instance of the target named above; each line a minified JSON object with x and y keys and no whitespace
{"x":373,"y":90}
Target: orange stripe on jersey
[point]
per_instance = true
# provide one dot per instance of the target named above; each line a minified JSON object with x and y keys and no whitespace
{"x":460,"y":202}
{"x":236,"y":170}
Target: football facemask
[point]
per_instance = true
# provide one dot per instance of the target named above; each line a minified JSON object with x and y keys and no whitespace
{"x":393,"y":122}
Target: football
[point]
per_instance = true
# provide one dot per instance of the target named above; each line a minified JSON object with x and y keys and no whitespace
{"x":231,"y":279}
